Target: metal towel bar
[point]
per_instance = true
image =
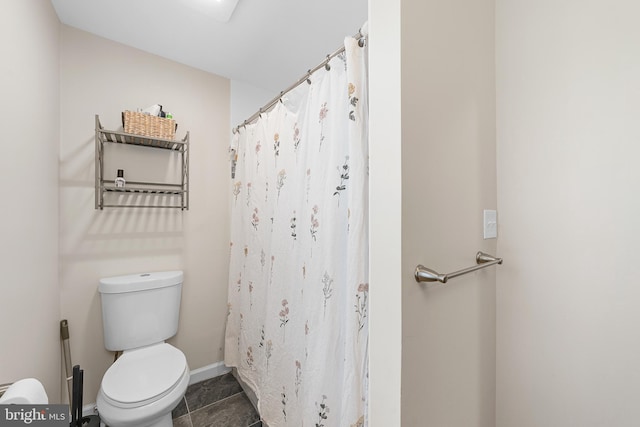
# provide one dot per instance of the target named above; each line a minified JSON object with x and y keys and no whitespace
{"x":424,"y":274}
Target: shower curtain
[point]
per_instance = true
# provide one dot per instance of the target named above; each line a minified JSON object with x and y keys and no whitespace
{"x":298,"y":286}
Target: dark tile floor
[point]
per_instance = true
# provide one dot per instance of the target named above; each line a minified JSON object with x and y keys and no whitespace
{"x":217,"y":402}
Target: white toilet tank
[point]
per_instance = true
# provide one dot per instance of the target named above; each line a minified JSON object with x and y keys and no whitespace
{"x":140,"y":309}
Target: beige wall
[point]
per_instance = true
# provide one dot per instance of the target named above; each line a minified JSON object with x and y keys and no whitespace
{"x":29,"y":337}
{"x":102,"y":77}
{"x":568,"y":150}
{"x":448,"y":178}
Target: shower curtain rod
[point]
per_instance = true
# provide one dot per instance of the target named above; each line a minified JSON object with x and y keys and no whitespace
{"x":360,"y":37}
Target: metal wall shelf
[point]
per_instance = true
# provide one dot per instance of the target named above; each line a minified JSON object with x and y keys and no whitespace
{"x":176,"y":194}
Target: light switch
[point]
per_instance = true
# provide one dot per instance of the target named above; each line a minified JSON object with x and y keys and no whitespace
{"x":490,"y":224}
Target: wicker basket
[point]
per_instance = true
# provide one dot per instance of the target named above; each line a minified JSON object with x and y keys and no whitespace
{"x":148,"y":125}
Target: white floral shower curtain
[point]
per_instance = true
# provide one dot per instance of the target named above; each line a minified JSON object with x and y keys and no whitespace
{"x":298,"y":286}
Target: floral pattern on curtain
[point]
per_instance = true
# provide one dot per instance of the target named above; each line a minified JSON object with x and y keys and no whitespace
{"x":297,"y":326}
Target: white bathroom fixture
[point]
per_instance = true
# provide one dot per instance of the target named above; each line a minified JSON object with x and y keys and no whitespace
{"x":143,"y":385}
{"x":28,"y":391}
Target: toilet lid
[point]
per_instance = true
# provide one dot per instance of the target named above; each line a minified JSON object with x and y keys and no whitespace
{"x":144,"y":373}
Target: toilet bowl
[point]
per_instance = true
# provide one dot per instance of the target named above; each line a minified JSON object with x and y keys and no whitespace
{"x":143,"y":386}
{"x":150,"y":378}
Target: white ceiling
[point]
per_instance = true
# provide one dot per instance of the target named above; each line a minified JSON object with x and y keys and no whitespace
{"x":266,"y":43}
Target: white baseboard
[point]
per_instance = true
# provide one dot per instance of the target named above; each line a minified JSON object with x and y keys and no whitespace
{"x":207,"y":372}
{"x":89,"y":409}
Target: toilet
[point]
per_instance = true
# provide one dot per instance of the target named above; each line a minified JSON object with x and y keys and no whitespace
{"x":150,"y":378}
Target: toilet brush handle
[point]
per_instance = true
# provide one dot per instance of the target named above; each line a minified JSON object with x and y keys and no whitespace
{"x":74,"y":400}
{"x":79,"y":409}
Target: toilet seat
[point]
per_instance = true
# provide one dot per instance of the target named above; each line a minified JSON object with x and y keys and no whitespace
{"x":144,"y":375}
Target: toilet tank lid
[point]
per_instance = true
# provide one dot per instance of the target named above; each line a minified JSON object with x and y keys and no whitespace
{"x":140,"y":282}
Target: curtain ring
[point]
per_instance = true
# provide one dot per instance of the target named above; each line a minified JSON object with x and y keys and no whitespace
{"x":326,"y":64}
{"x":309,"y":76}
{"x":260,"y":113}
{"x":361,"y":41}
